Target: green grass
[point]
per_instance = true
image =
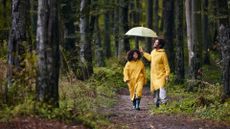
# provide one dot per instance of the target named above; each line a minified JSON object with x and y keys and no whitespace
{"x":203,"y":103}
{"x":79,"y":100}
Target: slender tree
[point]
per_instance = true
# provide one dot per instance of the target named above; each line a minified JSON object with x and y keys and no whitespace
{"x":137,"y":19}
{"x":33,"y":18}
{"x":156,"y":16}
{"x":149,"y":23}
{"x":69,"y":15}
{"x":48,"y":52}
{"x":205,"y":33}
{"x":4,"y":14}
{"x":196,"y":40}
{"x":224,"y":40}
{"x":17,"y":41}
{"x":107,"y":42}
{"x":100,"y":61}
{"x":168,"y":14}
{"x":116,"y":27}
{"x":189,"y":31}
{"x":69,"y":18}
{"x":125,"y":21}
{"x":123,"y":27}
{"x":85,"y":44}
{"x":223,"y":12}
{"x":179,"y":64}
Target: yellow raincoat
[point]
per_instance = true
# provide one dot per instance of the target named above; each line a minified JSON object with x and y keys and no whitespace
{"x":159,"y":68}
{"x":134,"y":74}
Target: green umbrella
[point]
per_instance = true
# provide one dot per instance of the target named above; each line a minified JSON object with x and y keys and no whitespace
{"x":141,"y":32}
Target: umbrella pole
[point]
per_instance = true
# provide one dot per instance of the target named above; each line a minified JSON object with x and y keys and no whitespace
{"x":136,"y":43}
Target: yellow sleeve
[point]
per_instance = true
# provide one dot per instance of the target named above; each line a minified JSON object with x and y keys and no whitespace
{"x":126,"y":72}
{"x":166,"y":64}
{"x":144,"y":72}
{"x":147,"y":56}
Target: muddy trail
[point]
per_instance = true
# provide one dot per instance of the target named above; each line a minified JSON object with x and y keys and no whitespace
{"x":123,"y":116}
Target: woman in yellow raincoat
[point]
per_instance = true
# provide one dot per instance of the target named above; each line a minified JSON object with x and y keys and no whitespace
{"x":159,"y":71}
{"x":134,"y":76}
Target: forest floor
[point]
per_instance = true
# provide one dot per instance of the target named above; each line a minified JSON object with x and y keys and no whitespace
{"x":122,"y":116}
{"x":38,"y":123}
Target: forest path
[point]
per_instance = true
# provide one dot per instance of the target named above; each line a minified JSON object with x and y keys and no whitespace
{"x":123,"y":116}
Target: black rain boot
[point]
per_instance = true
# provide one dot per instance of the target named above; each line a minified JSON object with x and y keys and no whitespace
{"x":138,"y":104}
{"x":158,"y":103}
{"x":157,"y":96}
{"x":134,"y":103}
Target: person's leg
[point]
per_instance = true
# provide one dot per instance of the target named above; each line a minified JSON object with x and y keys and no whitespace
{"x":139,"y":89}
{"x":163,"y":96}
{"x":132,"y":94}
{"x":156,"y":97}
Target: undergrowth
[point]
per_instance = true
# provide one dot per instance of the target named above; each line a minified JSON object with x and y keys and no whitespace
{"x":79,"y":101}
{"x":204,"y":101}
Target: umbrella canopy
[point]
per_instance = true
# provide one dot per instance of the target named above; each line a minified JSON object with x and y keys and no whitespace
{"x":142,"y":32}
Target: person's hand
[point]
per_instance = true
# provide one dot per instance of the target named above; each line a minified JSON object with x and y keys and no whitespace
{"x":141,"y":50}
{"x":167,"y":78}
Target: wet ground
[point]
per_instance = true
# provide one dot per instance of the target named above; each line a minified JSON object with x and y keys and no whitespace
{"x":123,"y":116}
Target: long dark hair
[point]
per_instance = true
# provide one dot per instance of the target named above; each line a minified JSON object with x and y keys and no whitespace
{"x":130,"y":54}
{"x":161,"y":42}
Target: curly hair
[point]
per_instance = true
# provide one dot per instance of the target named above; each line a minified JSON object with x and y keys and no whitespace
{"x":130,"y":54}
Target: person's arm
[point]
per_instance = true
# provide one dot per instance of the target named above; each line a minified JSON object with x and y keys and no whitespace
{"x":126,"y":72}
{"x":144,"y":72}
{"x":166,"y":66}
{"x":145,"y":54}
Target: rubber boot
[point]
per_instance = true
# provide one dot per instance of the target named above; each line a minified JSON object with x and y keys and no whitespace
{"x":158,"y":103}
{"x":138,"y":104}
{"x":134,"y":103}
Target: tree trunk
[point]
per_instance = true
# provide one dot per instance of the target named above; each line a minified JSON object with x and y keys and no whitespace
{"x":17,"y":41}
{"x":107,"y":42}
{"x":48,"y":52}
{"x":100,"y":61}
{"x":116,"y":27}
{"x":4,"y":14}
{"x":124,"y":45}
{"x":85,"y":44}
{"x":150,"y":24}
{"x":156,"y":16}
{"x":69,"y":38}
{"x":69,"y":16}
{"x":196,"y":40}
{"x":168,"y":11}
{"x":224,"y":40}
{"x":205,"y":32}
{"x":137,"y":19}
{"x":126,"y":23}
{"x":189,"y":29}
{"x":223,"y":12}
{"x":34,"y":8}
{"x":179,"y":67}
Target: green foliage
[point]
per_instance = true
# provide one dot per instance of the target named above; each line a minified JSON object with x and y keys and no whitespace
{"x":3,"y":50}
{"x":204,"y":103}
{"x":79,"y":101}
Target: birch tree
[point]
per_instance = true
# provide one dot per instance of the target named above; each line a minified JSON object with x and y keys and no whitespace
{"x":85,"y":44}
{"x":48,"y":52}
{"x":17,"y":41}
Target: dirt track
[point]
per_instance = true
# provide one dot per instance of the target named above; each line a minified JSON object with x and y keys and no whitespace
{"x":123,"y":116}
